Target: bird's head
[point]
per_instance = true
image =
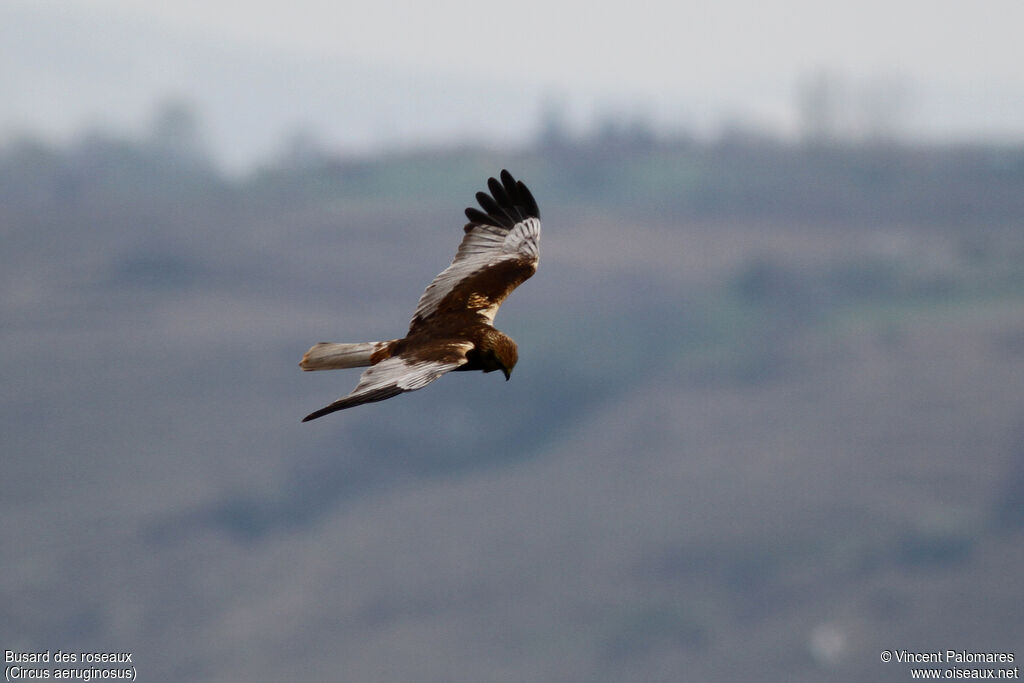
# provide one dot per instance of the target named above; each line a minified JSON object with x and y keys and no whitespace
{"x":503,"y":354}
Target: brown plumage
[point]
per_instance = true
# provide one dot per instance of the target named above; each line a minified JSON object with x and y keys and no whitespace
{"x":451,"y":329}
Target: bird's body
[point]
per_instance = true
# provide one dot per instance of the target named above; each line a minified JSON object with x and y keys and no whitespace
{"x":451,"y":329}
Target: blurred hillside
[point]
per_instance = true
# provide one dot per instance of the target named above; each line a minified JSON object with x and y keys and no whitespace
{"x":766,"y":422}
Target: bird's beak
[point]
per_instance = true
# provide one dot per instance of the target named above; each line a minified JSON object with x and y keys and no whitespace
{"x":508,"y":375}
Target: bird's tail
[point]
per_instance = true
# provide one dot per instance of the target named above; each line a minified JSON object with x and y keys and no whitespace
{"x":331,"y":356}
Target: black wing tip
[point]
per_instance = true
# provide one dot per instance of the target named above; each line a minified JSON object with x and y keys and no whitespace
{"x":316,"y":414}
{"x":327,"y":410}
{"x":509,"y":202}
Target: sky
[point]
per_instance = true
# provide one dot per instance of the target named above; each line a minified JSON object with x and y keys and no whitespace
{"x":697,"y":64}
{"x":646,"y":46}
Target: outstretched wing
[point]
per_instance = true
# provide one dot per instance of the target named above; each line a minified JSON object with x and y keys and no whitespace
{"x":398,"y":374}
{"x":499,"y":251}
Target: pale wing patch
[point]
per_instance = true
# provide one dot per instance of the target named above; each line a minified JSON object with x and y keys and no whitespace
{"x":524,"y":239}
{"x":483,"y":246}
{"x":404,"y":374}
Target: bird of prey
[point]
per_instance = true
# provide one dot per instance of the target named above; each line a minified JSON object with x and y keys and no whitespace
{"x":451,"y":328}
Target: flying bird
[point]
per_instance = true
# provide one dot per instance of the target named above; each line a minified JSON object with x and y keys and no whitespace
{"x":452,"y":326}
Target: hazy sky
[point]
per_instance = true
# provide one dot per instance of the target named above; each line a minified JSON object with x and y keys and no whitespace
{"x":648,"y":46}
{"x":670,"y":61}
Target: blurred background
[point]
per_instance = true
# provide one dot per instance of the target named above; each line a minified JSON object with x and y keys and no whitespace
{"x":768,"y":415}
